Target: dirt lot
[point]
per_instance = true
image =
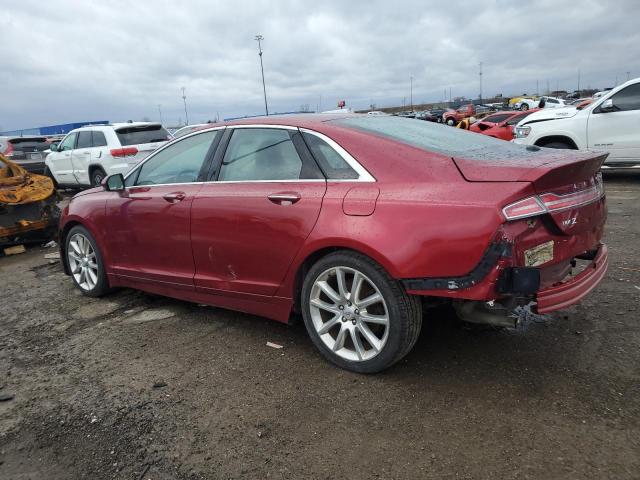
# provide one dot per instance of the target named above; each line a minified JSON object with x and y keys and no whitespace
{"x":135,"y":386}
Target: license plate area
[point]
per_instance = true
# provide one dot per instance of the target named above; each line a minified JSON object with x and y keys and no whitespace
{"x":539,"y":255}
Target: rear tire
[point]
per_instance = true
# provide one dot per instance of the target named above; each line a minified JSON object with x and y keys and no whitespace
{"x":85,"y":262}
{"x":366,"y":325}
{"x":97,"y":175}
{"x":451,"y":122}
{"x":524,"y":107}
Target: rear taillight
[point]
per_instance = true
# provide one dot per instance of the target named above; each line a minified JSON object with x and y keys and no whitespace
{"x":124,"y":152}
{"x":7,"y":152}
{"x":552,"y":202}
{"x":524,"y":208}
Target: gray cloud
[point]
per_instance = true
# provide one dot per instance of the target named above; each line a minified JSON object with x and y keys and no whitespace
{"x":66,"y":61}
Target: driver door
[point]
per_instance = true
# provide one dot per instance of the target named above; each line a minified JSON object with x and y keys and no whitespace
{"x":150,"y":220}
{"x":617,"y":130}
{"x":62,"y":166}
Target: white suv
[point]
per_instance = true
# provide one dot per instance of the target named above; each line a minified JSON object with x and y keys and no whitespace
{"x":89,"y":154}
{"x":610,"y":123}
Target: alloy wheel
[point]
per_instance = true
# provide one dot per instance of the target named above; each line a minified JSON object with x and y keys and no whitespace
{"x":82,"y":262}
{"x":349,"y":313}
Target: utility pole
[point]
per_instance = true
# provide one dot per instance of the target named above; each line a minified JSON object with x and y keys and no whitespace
{"x":259,"y":39}
{"x":411,"y":91}
{"x":160,"y":112}
{"x":628,"y":76}
{"x":449,"y":94}
{"x":480,"y":75}
{"x":184,"y":99}
{"x":537,"y":89}
{"x":578,"y":81}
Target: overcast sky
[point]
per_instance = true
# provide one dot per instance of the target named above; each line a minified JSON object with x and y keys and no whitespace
{"x":65,"y":61}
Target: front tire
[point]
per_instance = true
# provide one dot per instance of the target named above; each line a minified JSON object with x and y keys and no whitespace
{"x":357,"y":316}
{"x":47,"y":173}
{"x":85,"y":262}
{"x":524,"y":107}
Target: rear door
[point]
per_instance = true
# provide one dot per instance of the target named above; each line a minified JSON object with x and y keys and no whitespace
{"x":248,"y":225}
{"x":60,"y":161}
{"x":81,"y":157}
{"x":617,"y":131}
{"x":149,"y":221}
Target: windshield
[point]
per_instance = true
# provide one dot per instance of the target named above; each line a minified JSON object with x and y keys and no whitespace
{"x":433,"y":137}
{"x":142,"y":134}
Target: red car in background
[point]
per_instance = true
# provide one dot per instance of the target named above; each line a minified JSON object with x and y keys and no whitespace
{"x":500,"y":124}
{"x":453,"y":117}
{"x":354,"y":221}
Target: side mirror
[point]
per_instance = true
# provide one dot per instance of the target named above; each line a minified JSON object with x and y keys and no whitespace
{"x":114,"y":183}
{"x":607,"y":106}
{"x":54,"y":147}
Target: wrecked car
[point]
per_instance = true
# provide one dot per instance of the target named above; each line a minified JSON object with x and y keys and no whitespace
{"x":28,"y":205}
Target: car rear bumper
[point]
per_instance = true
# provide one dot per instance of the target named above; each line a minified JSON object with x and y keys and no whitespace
{"x":573,"y":290}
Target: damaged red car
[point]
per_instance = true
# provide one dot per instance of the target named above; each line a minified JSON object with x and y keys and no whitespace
{"x":354,"y":221}
{"x":500,"y":124}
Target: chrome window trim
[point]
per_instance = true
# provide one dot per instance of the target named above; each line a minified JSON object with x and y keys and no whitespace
{"x":363,"y":173}
{"x":169,"y":143}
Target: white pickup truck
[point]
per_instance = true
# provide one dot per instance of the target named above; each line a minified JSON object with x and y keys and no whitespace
{"x":610,"y":123}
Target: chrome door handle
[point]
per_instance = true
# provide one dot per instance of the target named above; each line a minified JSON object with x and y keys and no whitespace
{"x":284,"y":198}
{"x":174,"y":197}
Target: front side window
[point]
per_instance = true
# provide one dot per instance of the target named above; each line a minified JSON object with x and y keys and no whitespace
{"x":180,"y":162}
{"x":331,"y":162}
{"x":84,"y":139}
{"x":260,"y":154}
{"x":627,"y":99}
{"x":68,"y":142}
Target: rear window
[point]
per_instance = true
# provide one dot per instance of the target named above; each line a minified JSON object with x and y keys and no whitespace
{"x":142,"y":134}
{"x":501,"y":117}
{"x":438,"y":138}
{"x":29,"y":144}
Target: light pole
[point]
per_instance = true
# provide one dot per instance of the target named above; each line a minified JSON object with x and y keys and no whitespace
{"x":160,"y":112}
{"x":259,"y":38}
{"x":184,"y":99}
{"x":411,"y":92}
{"x":480,"y":75}
{"x":628,"y":76}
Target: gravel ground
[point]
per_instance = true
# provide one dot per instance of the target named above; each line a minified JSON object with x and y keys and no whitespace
{"x":135,"y":386}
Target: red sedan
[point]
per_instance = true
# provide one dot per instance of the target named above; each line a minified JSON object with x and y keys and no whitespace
{"x":354,"y":221}
{"x":500,"y":124}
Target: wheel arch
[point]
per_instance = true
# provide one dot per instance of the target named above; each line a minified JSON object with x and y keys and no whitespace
{"x":312,"y":256}
{"x":545,"y":140}
{"x":62,"y":240}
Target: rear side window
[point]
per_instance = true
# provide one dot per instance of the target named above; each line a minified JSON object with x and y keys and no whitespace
{"x":142,"y":134}
{"x":180,"y":162}
{"x":84,"y":139}
{"x":331,"y":162}
{"x":260,"y":154}
{"x":516,"y":118}
{"x":98,"y":139}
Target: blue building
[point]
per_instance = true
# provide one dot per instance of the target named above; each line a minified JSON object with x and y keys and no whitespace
{"x":51,"y":129}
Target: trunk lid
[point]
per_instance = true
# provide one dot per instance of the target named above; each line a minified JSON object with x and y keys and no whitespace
{"x":566,"y":181}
